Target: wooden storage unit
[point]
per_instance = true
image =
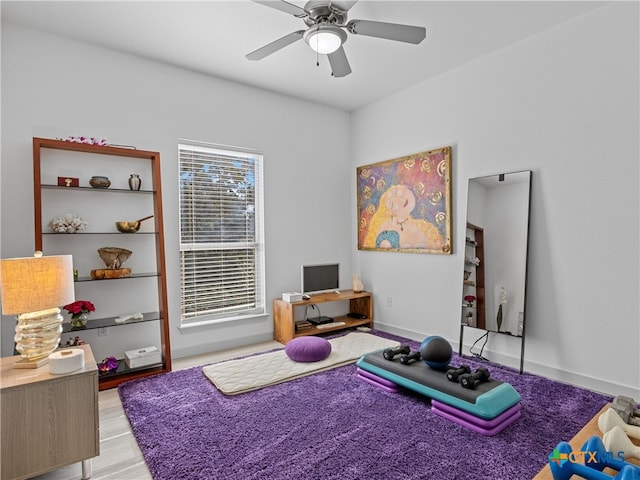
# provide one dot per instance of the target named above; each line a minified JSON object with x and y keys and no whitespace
{"x":590,"y":429}
{"x":284,"y":314}
{"x":48,"y":421}
{"x":102,"y":204}
{"x":474,"y":285}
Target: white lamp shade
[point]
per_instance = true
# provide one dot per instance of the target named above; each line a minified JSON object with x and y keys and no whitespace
{"x":36,"y":283}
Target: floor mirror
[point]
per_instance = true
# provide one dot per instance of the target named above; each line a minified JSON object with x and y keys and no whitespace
{"x":496,"y":251}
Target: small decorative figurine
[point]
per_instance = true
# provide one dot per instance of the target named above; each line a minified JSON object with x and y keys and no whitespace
{"x":356,"y":284}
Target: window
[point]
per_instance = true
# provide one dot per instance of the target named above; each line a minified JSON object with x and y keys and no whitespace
{"x":221,"y":234}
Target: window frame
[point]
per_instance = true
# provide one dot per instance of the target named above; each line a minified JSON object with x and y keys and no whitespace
{"x":198,"y":316}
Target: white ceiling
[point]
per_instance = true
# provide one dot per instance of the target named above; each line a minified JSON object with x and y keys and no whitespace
{"x":213,"y":37}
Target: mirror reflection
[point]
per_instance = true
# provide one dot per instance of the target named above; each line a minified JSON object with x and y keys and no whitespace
{"x":495,"y":269}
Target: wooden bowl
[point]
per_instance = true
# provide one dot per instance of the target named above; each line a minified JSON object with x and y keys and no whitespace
{"x":114,"y":257}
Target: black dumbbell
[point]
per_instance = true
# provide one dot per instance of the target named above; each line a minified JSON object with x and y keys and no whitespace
{"x":453,"y":374}
{"x":389,"y":353}
{"x":413,"y":356}
{"x":472,"y":380}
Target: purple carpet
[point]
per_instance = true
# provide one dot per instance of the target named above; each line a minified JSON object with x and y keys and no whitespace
{"x":332,"y":425}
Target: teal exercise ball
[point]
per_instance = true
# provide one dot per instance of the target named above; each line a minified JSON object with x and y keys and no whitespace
{"x":436,"y":352}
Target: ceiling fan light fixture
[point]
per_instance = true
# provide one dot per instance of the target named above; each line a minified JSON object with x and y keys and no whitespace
{"x":325,"y":39}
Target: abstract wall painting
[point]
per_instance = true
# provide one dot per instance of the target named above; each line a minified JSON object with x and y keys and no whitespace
{"x":404,"y":204}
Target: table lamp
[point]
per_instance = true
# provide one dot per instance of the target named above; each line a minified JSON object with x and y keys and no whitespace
{"x":33,"y":288}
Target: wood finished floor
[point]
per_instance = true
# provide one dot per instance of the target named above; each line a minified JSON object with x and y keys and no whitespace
{"x":120,"y":458}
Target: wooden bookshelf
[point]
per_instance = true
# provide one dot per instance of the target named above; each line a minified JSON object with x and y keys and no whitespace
{"x":51,"y":158}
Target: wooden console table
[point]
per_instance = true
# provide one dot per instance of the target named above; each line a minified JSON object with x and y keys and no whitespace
{"x":48,"y":421}
{"x":284,"y":328}
{"x":580,"y":438}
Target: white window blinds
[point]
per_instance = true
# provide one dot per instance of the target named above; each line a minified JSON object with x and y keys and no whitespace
{"x":221,"y":233}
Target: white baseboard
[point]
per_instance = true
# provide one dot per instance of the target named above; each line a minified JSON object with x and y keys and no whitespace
{"x":219,"y":346}
{"x":402,"y":332}
{"x":603,"y":386}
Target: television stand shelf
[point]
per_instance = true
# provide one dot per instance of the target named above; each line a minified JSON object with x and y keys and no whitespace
{"x":284,"y":314}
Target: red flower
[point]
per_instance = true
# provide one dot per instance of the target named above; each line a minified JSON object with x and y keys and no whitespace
{"x":469,"y":298}
{"x":80,"y":306}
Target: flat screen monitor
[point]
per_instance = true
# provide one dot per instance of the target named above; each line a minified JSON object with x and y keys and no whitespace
{"x":320,"y":278}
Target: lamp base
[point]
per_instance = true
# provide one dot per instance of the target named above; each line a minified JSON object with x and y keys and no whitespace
{"x":24,"y":363}
{"x":38,"y":334}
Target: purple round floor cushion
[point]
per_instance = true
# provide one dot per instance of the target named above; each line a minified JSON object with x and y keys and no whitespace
{"x":307,"y":349}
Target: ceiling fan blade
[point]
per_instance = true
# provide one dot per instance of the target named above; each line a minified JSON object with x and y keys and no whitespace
{"x":344,"y":5}
{"x":285,"y":7}
{"x":339,"y":63}
{"x":390,"y":31}
{"x":273,"y":47}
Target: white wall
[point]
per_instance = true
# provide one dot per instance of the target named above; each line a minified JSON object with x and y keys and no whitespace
{"x":564,"y":104}
{"x":54,"y":87}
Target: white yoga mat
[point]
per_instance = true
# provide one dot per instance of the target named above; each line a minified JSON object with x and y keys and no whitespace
{"x":243,"y":375}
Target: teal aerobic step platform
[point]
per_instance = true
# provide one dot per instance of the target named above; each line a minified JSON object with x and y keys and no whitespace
{"x":487,"y":400}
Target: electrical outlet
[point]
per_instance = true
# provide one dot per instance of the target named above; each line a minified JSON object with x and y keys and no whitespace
{"x":389,"y":301}
{"x":102,"y":332}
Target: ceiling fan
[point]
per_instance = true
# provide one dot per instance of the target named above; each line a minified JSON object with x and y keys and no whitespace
{"x":326,"y":22}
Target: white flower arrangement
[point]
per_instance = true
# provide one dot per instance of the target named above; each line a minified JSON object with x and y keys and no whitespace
{"x":502,"y":296}
{"x":69,"y":223}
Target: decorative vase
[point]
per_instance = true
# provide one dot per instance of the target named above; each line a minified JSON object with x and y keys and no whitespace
{"x":80,"y":320}
{"x":99,"y":182}
{"x":134,"y":181}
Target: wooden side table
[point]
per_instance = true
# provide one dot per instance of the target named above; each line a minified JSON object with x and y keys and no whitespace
{"x":48,"y":421}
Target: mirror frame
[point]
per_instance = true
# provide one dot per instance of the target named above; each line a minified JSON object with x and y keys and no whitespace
{"x":478,"y":308}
